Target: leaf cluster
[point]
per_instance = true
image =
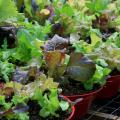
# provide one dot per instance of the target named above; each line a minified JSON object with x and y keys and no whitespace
{"x":7,"y":9}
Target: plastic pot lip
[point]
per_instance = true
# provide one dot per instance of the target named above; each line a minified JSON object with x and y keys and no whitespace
{"x":72,"y":107}
{"x":84,"y":94}
{"x":113,"y":76}
{"x":72,"y":113}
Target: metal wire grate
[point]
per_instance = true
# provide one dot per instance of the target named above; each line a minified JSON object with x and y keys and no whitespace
{"x":105,"y":110}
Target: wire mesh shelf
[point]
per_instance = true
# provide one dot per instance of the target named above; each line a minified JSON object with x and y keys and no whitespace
{"x":108,"y":109}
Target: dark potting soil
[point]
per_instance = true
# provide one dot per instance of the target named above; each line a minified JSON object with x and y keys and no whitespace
{"x":107,"y":33}
{"x":8,"y":32}
{"x":34,"y":113}
{"x":115,"y":72}
{"x":75,"y":88}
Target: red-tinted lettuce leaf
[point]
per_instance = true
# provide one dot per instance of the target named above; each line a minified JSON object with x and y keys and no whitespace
{"x":56,"y":43}
{"x":7,"y":92}
{"x":53,"y":60}
{"x":80,"y":68}
{"x":20,"y":76}
{"x":20,"y":108}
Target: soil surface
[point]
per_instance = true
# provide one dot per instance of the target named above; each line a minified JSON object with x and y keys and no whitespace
{"x":8,"y":33}
{"x":75,"y":88}
{"x":108,"y":33}
{"x":115,"y":72}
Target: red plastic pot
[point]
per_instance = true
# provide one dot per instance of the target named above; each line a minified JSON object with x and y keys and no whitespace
{"x":81,"y":108}
{"x":110,"y":89}
{"x":72,"y":114}
{"x":73,"y":110}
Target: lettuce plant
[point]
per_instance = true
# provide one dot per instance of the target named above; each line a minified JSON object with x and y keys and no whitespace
{"x":64,"y":20}
{"x":78,"y":67}
{"x":97,"y":6}
{"x":35,"y":9}
{"x":29,"y":40}
{"x":110,"y":53}
{"x":7,"y":10}
{"x":18,"y":107}
{"x":99,"y":77}
{"x":114,"y":38}
{"x":4,"y":103}
{"x":49,"y":103}
{"x":10,"y":112}
{"x":6,"y":69}
{"x":82,"y":69}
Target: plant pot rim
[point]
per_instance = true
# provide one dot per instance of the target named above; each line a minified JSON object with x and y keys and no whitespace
{"x":112,"y":76}
{"x":72,"y":107}
{"x":85,"y":94}
{"x":110,"y":89}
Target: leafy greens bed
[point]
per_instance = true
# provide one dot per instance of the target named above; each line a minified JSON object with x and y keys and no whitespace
{"x":51,"y":46}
